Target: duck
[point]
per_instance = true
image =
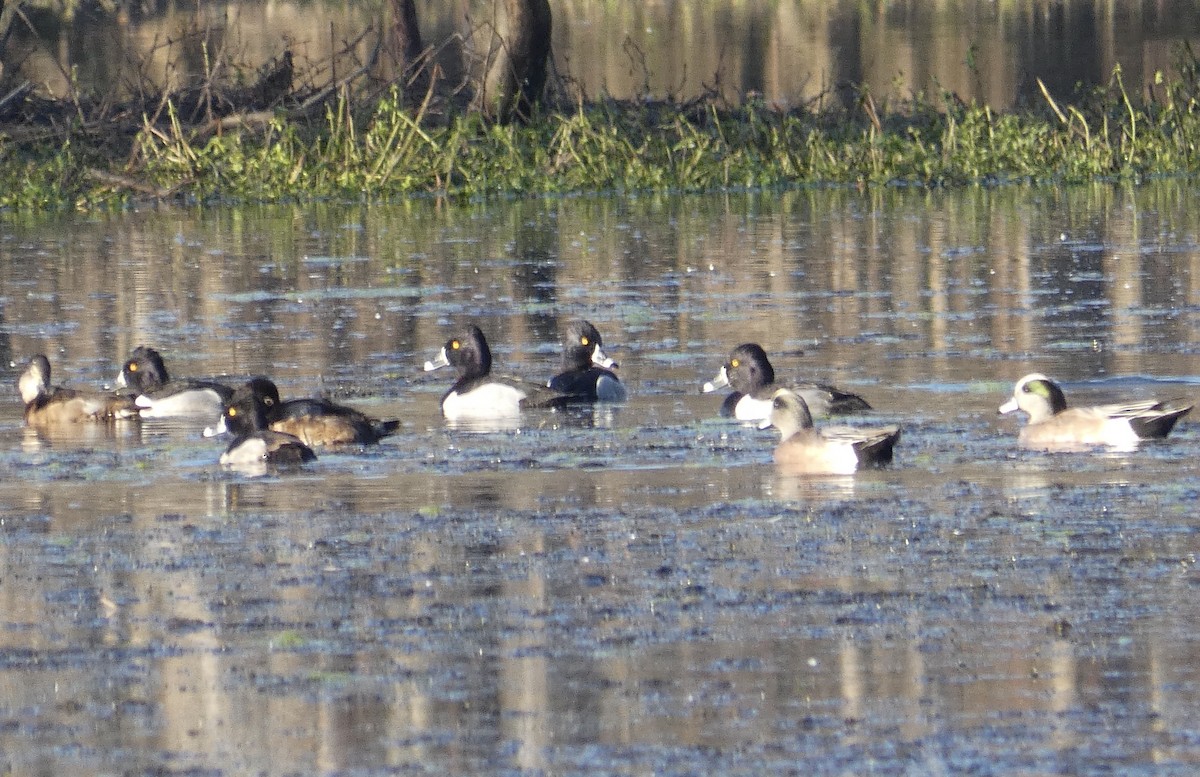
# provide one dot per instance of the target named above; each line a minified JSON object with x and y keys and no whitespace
{"x":749,"y":373}
{"x":46,"y":404}
{"x":254,"y":444}
{"x":587,"y":372}
{"x":158,"y":396}
{"x":1053,"y":425}
{"x":315,"y":422}
{"x":806,"y":450}
{"x":477,"y":395}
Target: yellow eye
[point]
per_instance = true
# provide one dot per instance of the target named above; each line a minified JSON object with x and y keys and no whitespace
{"x":132,"y":367}
{"x":583,"y":340}
{"x":455,"y":345}
{"x":231,"y":412}
{"x":734,"y":363}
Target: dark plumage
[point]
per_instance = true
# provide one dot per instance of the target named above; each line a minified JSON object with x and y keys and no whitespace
{"x":479,"y":396}
{"x":160,"y":397}
{"x":750,"y":374}
{"x":245,"y":417}
{"x":318,"y":421}
{"x":587,"y":374}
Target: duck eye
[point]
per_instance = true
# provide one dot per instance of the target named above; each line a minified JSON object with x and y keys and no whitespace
{"x":132,"y":366}
{"x":231,"y":412}
{"x":583,"y":340}
{"x":455,"y":345}
{"x":735,"y":363}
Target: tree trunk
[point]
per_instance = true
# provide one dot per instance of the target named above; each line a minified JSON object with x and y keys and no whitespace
{"x":409,"y":52}
{"x":519,"y":50}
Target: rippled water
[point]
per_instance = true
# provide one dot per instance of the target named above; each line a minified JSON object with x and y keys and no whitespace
{"x":632,"y":590}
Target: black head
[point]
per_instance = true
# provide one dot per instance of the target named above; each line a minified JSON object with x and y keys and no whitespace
{"x":246,"y":412}
{"x":265,"y":390}
{"x":144,"y":370}
{"x":748,"y":368}
{"x":580,"y":342}
{"x":469,"y":353}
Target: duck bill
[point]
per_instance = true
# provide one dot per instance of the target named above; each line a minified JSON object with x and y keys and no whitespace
{"x":218,"y":430}
{"x":599,"y":359}
{"x":441,"y":360}
{"x":765,"y":424}
{"x":1009,"y":406}
{"x":721,"y":381}
{"x":121,"y":379}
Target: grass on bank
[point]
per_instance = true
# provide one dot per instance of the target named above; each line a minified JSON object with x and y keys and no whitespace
{"x":384,"y":150}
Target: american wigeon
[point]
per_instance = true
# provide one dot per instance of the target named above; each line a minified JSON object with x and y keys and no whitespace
{"x":587,"y":372}
{"x":159,"y":396}
{"x":750,"y":374}
{"x":46,"y":404}
{"x":1053,"y":425}
{"x":827,"y":451}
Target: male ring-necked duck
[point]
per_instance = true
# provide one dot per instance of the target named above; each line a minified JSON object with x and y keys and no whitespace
{"x":587,"y":373}
{"x":314,"y":421}
{"x":1052,"y":425}
{"x":827,"y":451}
{"x":159,"y":396}
{"x":750,"y":374}
{"x":46,"y":404}
{"x":477,"y":395}
{"x":245,"y":417}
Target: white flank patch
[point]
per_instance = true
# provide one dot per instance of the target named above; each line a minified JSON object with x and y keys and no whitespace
{"x":489,"y":401}
{"x":190,"y":402}
{"x":751,"y":409}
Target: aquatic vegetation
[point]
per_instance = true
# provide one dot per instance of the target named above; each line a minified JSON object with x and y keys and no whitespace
{"x":383,"y":149}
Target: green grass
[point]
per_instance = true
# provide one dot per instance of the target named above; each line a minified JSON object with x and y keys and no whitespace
{"x":382,"y":150}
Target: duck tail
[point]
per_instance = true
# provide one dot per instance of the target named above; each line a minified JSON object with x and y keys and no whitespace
{"x":877,"y":449}
{"x":1159,"y":423}
{"x":383,"y":429}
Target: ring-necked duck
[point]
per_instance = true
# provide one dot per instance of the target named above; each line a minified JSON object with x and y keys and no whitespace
{"x":750,"y":374}
{"x":1053,"y":425}
{"x":314,"y":422}
{"x":827,"y":451}
{"x":587,"y":373}
{"x":245,"y":417}
{"x":477,"y":395}
{"x":160,"y":397}
{"x":46,"y":404}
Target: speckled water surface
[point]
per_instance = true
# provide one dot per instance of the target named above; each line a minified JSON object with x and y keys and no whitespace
{"x":630,"y":590}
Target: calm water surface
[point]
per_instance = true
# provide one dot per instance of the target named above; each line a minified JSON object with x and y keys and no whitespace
{"x":634,"y":590}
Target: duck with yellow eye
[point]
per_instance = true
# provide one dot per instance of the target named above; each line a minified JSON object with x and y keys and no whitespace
{"x":245,"y":417}
{"x":750,"y":374}
{"x":159,"y":396}
{"x":588,"y":374}
{"x":477,"y":396}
